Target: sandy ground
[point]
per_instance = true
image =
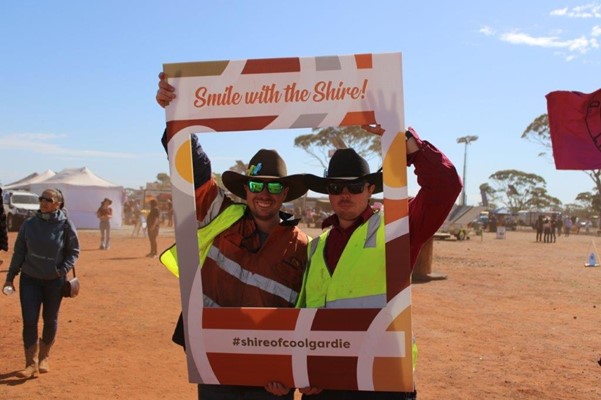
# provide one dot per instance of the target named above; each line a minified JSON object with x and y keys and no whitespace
{"x":513,"y":319}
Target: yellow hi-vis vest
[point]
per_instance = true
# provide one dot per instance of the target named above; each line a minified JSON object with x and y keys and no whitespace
{"x":359,"y":280}
{"x":205,"y":236}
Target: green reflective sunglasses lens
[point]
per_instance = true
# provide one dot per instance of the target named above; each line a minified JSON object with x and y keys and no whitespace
{"x":272,"y":187}
{"x":275,"y":187}
{"x":256,"y":187}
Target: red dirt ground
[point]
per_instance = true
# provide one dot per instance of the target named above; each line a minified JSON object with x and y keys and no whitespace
{"x":513,"y":319}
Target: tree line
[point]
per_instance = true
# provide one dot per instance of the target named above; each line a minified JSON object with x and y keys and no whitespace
{"x":516,"y":190}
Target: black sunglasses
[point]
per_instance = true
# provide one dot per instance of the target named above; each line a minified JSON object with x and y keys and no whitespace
{"x":272,"y":187}
{"x":352,"y":187}
{"x":46,"y":199}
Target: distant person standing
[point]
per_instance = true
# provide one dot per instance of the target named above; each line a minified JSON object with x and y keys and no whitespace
{"x":547,"y":230}
{"x":553,"y":237}
{"x":559,"y":225}
{"x":152,"y":222}
{"x":567,"y":225}
{"x":538,"y":225}
{"x":127,"y":212}
{"x":104,"y":214}
{"x":139,"y":221}
{"x":3,"y":229}
{"x":169,"y":213}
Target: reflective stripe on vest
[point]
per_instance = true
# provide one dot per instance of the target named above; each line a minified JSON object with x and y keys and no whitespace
{"x":359,"y":280}
{"x":205,"y":236}
{"x":250,"y":278}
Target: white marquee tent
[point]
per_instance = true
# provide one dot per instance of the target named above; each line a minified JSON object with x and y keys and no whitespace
{"x":25,"y":183}
{"x":83,"y":192}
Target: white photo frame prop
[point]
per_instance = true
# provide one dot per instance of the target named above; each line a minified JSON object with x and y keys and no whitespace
{"x":355,"y":349}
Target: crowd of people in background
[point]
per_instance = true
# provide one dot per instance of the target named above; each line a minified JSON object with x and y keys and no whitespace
{"x":147,"y":221}
{"x":548,"y":228}
{"x":135,"y":212}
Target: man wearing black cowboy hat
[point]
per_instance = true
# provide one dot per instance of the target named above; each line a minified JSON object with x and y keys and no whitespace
{"x":350,"y":184}
{"x":261,"y":252}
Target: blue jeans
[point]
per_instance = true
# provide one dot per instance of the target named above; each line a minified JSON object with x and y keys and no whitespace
{"x":227,"y":392}
{"x":35,"y":293}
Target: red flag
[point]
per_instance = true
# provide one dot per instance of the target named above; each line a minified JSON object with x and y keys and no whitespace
{"x":575,"y":127}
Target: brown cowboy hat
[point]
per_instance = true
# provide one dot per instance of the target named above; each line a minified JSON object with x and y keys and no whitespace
{"x":107,"y":200}
{"x":266,"y":164}
{"x":345,"y":165}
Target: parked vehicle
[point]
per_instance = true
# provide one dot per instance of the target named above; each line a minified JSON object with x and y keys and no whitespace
{"x":18,"y":206}
{"x":460,"y":222}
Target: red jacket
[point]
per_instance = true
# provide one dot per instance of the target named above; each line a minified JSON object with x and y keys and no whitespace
{"x":439,"y":187}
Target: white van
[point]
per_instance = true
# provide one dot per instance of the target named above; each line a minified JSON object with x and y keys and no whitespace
{"x":18,"y":206}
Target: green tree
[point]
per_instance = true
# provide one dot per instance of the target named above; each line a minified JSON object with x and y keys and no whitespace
{"x":538,"y":132}
{"x":540,"y":199}
{"x":576,"y":209}
{"x":519,"y":190}
{"x":164,"y":180}
{"x":589,"y":201}
{"x":320,"y":141}
{"x":491,"y":195}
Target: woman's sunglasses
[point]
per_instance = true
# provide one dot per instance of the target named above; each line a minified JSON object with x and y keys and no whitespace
{"x":46,"y":199}
{"x":352,"y":187}
{"x":272,"y":187}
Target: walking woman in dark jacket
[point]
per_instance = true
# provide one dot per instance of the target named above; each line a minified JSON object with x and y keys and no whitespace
{"x":45,"y":250}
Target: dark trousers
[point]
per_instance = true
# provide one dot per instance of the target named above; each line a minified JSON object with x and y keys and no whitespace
{"x":152,"y":236}
{"x":35,"y":295}
{"x":228,"y":392}
{"x":360,"y":395}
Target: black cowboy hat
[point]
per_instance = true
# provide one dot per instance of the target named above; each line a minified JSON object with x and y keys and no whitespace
{"x":107,"y":200}
{"x":266,"y":164}
{"x":345,"y":165}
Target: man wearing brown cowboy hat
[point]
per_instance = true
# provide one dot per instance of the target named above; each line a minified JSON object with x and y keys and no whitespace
{"x":104,"y":214}
{"x":261,"y":253}
{"x":349,"y":184}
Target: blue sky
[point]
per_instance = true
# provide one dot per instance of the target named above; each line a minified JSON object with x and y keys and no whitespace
{"x":78,"y":78}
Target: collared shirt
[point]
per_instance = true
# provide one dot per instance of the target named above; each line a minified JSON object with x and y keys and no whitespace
{"x":439,"y":187}
{"x":339,"y":237}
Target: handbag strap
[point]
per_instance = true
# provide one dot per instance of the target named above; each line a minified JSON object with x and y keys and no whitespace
{"x":65,"y":227}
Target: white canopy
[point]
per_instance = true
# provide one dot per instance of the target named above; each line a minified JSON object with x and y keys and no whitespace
{"x":25,"y":183}
{"x":83,"y":193}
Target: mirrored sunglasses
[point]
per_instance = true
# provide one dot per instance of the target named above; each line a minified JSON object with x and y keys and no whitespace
{"x":352,"y":187}
{"x":272,"y":187}
{"x":46,"y":199}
